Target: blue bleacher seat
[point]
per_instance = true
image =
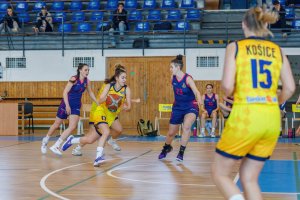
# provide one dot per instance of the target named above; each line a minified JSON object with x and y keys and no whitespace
{"x":84,"y":27}
{"x":78,"y":16}
{"x":130,"y":4}
{"x":282,"y":2}
{"x":181,"y":26}
{"x":75,"y":5}
{"x":3,"y":6}
{"x":38,"y":6}
{"x":135,"y":15}
{"x":57,"y":16}
{"x":66,"y":28}
{"x":193,"y":15}
{"x":290,"y":12}
{"x":187,"y":4}
{"x":112,"y":4}
{"x":21,"y":7}
{"x":296,"y":24}
{"x":96,"y":16}
{"x":23,"y":17}
{"x":57,"y":6}
{"x":100,"y":25}
{"x":168,"y":4}
{"x":174,"y":15}
{"x":149,"y":4}
{"x":154,"y":15}
{"x":2,"y":14}
{"x":94,"y":5}
{"x":142,"y":26}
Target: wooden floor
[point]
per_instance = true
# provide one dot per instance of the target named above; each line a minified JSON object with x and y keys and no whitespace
{"x":134,"y":173}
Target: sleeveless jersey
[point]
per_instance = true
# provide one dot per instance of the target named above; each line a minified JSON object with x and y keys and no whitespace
{"x":75,"y":93}
{"x":258,"y":65}
{"x":210,"y":103}
{"x":183,"y":94}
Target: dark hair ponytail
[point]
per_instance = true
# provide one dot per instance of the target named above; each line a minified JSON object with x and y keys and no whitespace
{"x":79,"y":67}
{"x":178,"y":61}
{"x":118,"y":70}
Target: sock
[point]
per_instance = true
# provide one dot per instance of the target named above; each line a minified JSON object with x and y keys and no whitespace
{"x":100,"y":151}
{"x":167,"y":146}
{"x":46,"y":139}
{"x":182,"y":149}
{"x":78,"y":147}
{"x":58,"y":142}
{"x":237,"y":197}
{"x":202,"y":130}
{"x":213,"y":130}
{"x":75,"y":140}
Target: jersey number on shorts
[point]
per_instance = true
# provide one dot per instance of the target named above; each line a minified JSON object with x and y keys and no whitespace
{"x":263,"y":64}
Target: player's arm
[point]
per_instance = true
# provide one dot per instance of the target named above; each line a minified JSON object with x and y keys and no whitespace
{"x":103,"y":94}
{"x":138,"y":100}
{"x":227,"y":100}
{"x":195,"y":90}
{"x":66,"y":92}
{"x":228,"y":79}
{"x":202,"y":104}
{"x":127,"y":106}
{"x":90,"y":91}
{"x":287,"y":79}
{"x":217,"y":101}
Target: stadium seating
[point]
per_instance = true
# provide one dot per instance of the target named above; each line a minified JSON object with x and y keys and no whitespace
{"x":289,"y":12}
{"x":3,"y":6}
{"x":182,"y":26}
{"x":65,"y":27}
{"x":38,"y":6}
{"x":24,"y":17}
{"x":154,"y":15}
{"x":84,"y":27}
{"x":135,"y":15}
{"x":96,"y":16}
{"x":75,"y":6}
{"x":78,"y":16}
{"x":193,"y":15}
{"x":296,"y":24}
{"x":149,"y":4}
{"x":100,"y":25}
{"x":94,"y":5}
{"x":21,"y":7}
{"x":174,"y":15}
{"x":168,"y":4}
{"x":187,"y":4}
{"x":130,"y":4}
{"x":57,"y":6}
{"x":112,"y":4}
{"x":59,"y":16}
{"x":142,"y":27}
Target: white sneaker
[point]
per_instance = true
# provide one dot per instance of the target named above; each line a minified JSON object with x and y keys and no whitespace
{"x":114,"y":144}
{"x":56,"y":150}
{"x":201,"y":135}
{"x":76,"y":152}
{"x":44,"y":146}
{"x":212,"y":135}
{"x":99,"y":161}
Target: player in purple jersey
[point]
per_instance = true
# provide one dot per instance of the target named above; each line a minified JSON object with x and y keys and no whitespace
{"x":226,"y":106}
{"x":210,"y":107}
{"x":69,"y":106}
{"x":185,"y":108}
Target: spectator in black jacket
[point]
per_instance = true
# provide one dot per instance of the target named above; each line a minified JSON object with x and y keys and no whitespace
{"x":10,"y":22}
{"x":44,"y":21}
{"x":281,"y":21}
{"x":119,"y":23}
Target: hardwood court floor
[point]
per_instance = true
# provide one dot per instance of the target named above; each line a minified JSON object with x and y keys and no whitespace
{"x":134,"y":173}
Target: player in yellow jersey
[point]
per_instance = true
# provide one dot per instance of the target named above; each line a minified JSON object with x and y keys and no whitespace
{"x":115,"y":96}
{"x":252,"y":69}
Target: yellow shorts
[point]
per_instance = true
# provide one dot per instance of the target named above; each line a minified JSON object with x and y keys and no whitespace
{"x":102,"y":115}
{"x":251,"y":131}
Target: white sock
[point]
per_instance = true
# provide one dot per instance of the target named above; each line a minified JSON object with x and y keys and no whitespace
{"x":46,"y":139}
{"x":58,"y":142}
{"x":202,"y":130}
{"x":213,"y":130}
{"x":78,"y":147}
{"x":75,"y":140}
{"x":99,"y":151}
{"x":237,"y":197}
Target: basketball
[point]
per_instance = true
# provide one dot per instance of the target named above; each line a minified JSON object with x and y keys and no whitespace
{"x":113,"y":102}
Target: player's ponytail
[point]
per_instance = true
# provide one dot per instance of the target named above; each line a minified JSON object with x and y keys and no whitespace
{"x":79,"y":67}
{"x":118,"y":70}
{"x":178,"y":61}
{"x":257,"y":19}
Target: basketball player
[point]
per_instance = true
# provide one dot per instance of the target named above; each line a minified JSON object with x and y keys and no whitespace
{"x":210,"y":107}
{"x":185,"y":108}
{"x":298,"y":102}
{"x":69,"y":106}
{"x":252,"y":69}
{"x":114,"y":97}
{"x":226,"y":107}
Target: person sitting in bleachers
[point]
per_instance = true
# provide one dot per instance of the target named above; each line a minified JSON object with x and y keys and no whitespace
{"x":210,"y":107}
{"x":44,"y":21}
{"x":120,"y":24}
{"x":281,"y":21}
{"x":10,"y":22}
{"x":226,"y":106}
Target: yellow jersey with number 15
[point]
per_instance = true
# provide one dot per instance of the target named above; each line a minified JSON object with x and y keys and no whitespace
{"x":258,"y":65}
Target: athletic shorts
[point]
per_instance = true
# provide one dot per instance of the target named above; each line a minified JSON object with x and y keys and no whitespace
{"x":177,"y":116}
{"x":102,"y":115}
{"x":251,"y":131}
{"x":62,"y":113}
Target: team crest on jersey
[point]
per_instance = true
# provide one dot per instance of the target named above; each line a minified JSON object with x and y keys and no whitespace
{"x":183,"y":85}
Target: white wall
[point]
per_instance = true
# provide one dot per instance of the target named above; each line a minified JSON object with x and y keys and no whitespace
{"x":52,"y":66}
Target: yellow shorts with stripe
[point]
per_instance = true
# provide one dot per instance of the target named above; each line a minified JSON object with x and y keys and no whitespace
{"x":102,"y":115}
{"x":251,"y":131}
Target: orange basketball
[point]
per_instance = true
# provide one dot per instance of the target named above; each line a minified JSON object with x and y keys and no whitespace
{"x":113,"y":102}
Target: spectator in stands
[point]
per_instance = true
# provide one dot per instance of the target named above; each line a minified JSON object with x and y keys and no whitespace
{"x":120,"y":24}
{"x":10,"y":22}
{"x":281,"y":21}
{"x":44,"y":21}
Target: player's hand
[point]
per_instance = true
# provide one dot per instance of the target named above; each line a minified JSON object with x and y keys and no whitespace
{"x":68,"y":110}
{"x":205,"y":112}
{"x":138,"y":100}
{"x":125,"y":107}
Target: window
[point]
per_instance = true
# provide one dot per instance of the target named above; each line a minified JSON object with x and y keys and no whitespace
{"x":16,"y":62}
{"x":207,"y":61}
{"x":87,"y":60}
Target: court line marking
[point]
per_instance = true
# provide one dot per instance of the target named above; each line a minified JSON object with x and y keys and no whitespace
{"x":43,"y":180}
{"x":295,"y":161}
{"x":110,"y":173}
